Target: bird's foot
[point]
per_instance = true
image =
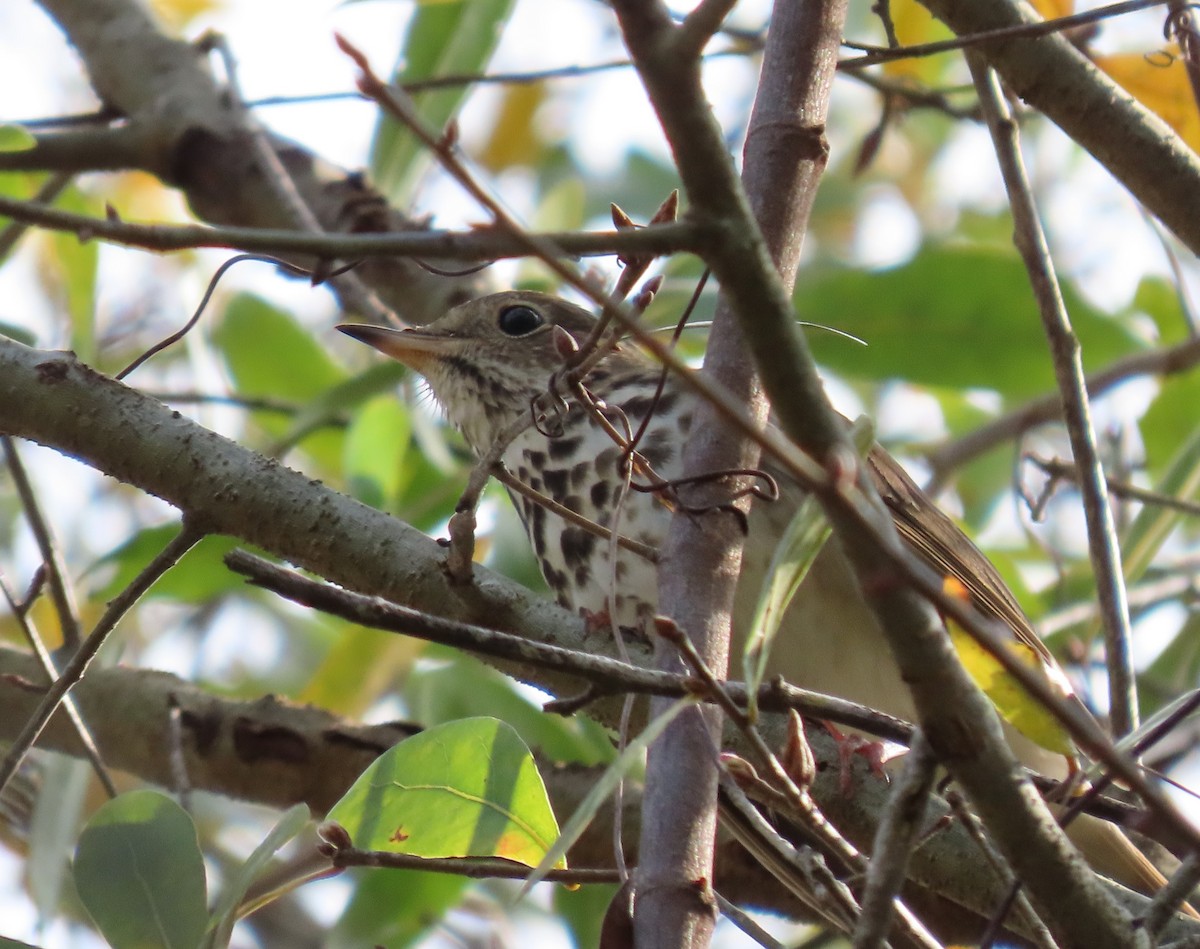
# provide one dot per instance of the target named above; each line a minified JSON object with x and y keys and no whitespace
{"x":849,"y":745}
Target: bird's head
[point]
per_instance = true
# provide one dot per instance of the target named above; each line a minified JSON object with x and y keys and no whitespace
{"x":486,"y":360}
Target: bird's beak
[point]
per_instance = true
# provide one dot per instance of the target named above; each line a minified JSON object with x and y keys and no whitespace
{"x":412,"y":347}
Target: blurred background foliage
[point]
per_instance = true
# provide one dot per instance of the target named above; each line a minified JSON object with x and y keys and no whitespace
{"x":909,"y":259}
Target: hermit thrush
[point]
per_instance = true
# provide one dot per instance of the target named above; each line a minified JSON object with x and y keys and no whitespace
{"x":490,"y":363}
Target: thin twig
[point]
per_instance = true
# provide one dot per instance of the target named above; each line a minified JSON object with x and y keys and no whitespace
{"x":1065,"y":351}
{"x":608,"y":675}
{"x":1024,"y":31}
{"x":1009,"y":884}
{"x":477,"y":244}
{"x":946,"y":457}
{"x":798,"y":799}
{"x":61,"y":592}
{"x":189,"y":325}
{"x":475,"y":868}
{"x":746,"y":924}
{"x":645,"y":551}
{"x":75,"y":669}
{"x":1176,"y":583}
{"x":1064,"y":470}
{"x":51,"y":188}
{"x":36,"y":643}
{"x":1166,"y":902}
{"x":797,"y":869}
{"x":899,"y":830}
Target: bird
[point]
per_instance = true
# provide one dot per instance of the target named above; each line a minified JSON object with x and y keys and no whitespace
{"x":495,"y":365}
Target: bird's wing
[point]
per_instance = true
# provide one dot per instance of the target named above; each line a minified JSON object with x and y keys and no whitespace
{"x":943,"y":545}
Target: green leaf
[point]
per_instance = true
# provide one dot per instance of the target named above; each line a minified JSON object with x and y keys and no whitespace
{"x":395,"y":909}
{"x":16,"y":138}
{"x":582,"y":910}
{"x":56,"y":819}
{"x":139,"y":873}
{"x":1159,"y":299}
{"x":360,"y":667}
{"x":200,"y":575}
{"x":465,"y":687}
{"x":589,"y":807}
{"x":269,"y":353}
{"x":1170,"y":420}
{"x":76,"y":264}
{"x":962,"y":317}
{"x":18,"y":333}
{"x":332,"y":404}
{"x":464,"y":789}
{"x":448,"y":38}
{"x":225,"y":913}
{"x":375,"y":447}
{"x":1154,"y":523}
{"x":797,"y":550}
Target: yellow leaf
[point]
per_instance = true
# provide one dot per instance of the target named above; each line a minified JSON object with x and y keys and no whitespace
{"x":177,"y":14}
{"x":513,"y":139}
{"x":916,"y":25}
{"x":1053,"y":9}
{"x":1014,"y":704}
{"x":1160,"y":83}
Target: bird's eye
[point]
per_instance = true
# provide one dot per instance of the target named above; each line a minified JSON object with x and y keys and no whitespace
{"x":519,"y":320}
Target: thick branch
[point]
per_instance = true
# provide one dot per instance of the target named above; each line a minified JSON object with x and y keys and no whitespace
{"x":193,"y":137}
{"x":51,"y":398}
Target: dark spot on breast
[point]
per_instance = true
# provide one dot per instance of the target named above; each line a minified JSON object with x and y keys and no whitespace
{"x":638,"y":406}
{"x":556,"y":482}
{"x":577,"y":546}
{"x":556,"y":580}
{"x":581,"y":473}
{"x":573,"y":502}
{"x":657,"y":448}
{"x":667,"y":401}
{"x":600,"y":494}
{"x":536,"y":525}
{"x":561,"y":448}
{"x":606,"y":462}
{"x":536,"y":459}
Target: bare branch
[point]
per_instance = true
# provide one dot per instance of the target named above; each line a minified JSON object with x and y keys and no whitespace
{"x":1066,"y":353}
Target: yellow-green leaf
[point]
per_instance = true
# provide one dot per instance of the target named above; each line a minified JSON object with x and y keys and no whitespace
{"x":464,"y":789}
{"x":15,"y":138}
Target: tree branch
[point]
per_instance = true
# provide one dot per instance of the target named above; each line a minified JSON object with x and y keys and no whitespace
{"x":191,"y":136}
